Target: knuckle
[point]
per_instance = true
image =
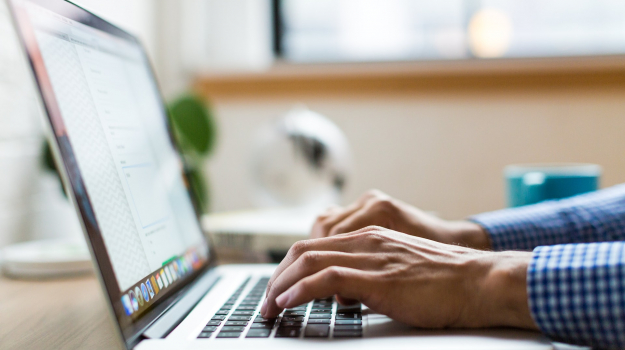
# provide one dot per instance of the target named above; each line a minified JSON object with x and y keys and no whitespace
{"x":298,"y":248}
{"x":333,"y":274}
{"x":372,"y":229}
{"x":309,"y":258}
{"x":375,"y":235}
{"x":384,"y":205}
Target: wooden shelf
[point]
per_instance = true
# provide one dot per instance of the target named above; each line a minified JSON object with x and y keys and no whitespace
{"x":284,"y":79}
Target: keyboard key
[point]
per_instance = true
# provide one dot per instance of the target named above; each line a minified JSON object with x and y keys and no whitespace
{"x":205,"y":335}
{"x":320,"y":311}
{"x":236,"y":323}
{"x":297,"y":308}
{"x":317,"y":331}
{"x":347,"y":316}
{"x":258,"y":333}
{"x":246,"y":307}
{"x":318,"y":321}
{"x":293,"y":319}
{"x":249,"y":303}
{"x":347,"y":327}
{"x":325,"y":299}
{"x":320,"y":316}
{"x":219,"y":317}
{"x":348,"y":308}
{"x":222,"y":312}
{"x":209,"y":329}
{"x":243,"y":313}
{"x":290,"y":324}
{"x":347,"y":334}
{"x":294,"y":313}
{"x":229,"y":334}
{"x":260,"y":319}
{"x":233,"y":329}
{"x":239,"y":318}
{"x":348,"y":322}
{"x":262,"y":325}
{"x":288,"y":333}
{"x":322,"y":306}
{"x":213,"y":323}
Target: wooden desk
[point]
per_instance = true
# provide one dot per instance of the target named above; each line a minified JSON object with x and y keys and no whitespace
{"x":54,"y":314}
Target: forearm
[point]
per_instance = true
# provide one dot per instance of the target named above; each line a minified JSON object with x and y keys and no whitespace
{"x":594,"y":217}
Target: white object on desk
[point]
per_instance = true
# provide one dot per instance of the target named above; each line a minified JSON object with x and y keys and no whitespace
{"x":260,"y":230}
{"x":47,"y":258}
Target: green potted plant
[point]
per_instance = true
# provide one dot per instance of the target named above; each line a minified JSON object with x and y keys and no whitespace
{"x":195,"y":132}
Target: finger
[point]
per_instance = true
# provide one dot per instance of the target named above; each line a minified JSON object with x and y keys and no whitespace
{"x":348,"y":243}
{"x":345,"y":301}
{"x":310,"y":263}
{"x":325,"y":222}
{"x":365,"y":216}
{"x":346,"y":282}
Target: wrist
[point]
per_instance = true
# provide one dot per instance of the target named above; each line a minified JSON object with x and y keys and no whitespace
{"x":502,"y":293}
{"x":469,"y":234}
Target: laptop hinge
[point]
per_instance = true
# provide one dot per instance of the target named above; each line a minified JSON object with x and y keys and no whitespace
{"x":170,"y":319}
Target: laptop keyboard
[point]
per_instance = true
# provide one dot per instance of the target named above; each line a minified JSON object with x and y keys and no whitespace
{"x":322,"y":318}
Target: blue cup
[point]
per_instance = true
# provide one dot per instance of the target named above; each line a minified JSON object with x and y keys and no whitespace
{"x":534,"y":183}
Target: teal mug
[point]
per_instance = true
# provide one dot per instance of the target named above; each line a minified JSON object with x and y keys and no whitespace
{"x":534,"y":183}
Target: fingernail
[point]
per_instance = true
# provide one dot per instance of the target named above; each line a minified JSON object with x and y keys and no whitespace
{"x":264,"y":307}
{"x":283,"y":299}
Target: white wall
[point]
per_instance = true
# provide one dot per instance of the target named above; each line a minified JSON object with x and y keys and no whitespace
{"x":442,"y":152}
{"x":210,"y":36}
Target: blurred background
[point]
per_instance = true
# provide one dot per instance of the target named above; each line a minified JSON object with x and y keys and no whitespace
{"x":434,"y":98}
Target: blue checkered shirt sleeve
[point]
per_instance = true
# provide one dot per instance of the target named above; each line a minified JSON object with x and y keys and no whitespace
{"x":576,"y":289}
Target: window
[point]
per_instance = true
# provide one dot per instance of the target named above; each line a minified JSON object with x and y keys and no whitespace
{"x":395,"y":30}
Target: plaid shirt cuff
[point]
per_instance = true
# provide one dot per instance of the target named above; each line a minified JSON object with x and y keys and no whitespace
{"x":577,"y":293}
{"x":594,"y":217}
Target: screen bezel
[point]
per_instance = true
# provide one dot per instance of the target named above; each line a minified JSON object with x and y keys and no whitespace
{"x":70,"y":173}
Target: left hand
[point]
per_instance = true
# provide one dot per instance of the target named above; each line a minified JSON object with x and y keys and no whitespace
{"x":410,"y":279}
{"x":379,"y":209}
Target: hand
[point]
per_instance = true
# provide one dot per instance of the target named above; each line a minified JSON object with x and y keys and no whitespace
{"x":410,"y":279}
{"x":377,"y":208}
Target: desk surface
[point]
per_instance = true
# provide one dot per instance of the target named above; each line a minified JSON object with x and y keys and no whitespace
{"x":54,"y":314}
{"x":59,"y":314}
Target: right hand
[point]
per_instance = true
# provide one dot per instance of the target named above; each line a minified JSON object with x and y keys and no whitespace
{"x":412,"y":280}
{"x":379,"y":209}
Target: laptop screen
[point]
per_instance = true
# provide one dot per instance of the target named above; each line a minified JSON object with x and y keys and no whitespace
{"x":112,"y":133}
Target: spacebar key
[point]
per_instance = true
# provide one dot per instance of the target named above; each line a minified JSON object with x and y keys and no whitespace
{"x":317,"y":331}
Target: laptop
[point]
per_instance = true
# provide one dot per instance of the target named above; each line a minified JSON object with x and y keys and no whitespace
{"x":113,"y":144}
